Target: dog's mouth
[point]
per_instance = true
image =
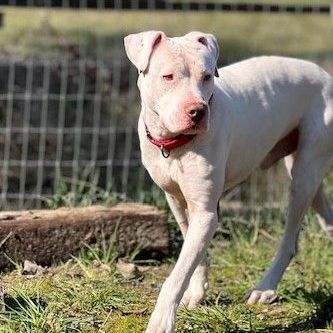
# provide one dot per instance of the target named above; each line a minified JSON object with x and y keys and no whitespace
{"x":187,"y":128}
{"x":195,"y":129}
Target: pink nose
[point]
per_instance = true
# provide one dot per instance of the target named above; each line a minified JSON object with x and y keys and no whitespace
{"x":197,"y":112}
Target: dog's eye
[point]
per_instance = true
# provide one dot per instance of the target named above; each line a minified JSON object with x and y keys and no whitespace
{"x":168,"y":77}
{"x":207,"y":77}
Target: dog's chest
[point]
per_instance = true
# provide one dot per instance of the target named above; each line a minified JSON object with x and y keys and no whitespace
{"x":163,"y":172}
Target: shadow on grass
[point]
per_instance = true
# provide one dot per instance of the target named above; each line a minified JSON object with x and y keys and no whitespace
{"x":21,"y":303}
{"x":323,"y":301}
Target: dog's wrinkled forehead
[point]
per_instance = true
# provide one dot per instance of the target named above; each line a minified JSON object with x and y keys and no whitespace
{"x":182,"y":54}
{"x":155,"y":47}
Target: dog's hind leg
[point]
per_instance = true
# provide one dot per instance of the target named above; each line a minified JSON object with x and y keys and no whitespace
{"x":320,"y":203}
{"x":324,"y":211}
{"x":307,"y":173}
{"x":198,"y":285}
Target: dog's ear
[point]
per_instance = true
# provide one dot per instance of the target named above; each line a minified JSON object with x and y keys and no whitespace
{"x":139,"y":47}
{"x":207,"y":40}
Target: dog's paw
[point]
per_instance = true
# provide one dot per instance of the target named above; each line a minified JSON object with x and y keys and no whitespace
{"x":261,"y":296}
{"x":162,"y":320}
{"x":196,"y":290}
{"x":193,"y":297}
{"x":329,"y":230}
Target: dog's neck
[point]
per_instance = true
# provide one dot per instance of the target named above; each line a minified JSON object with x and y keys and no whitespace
{"x":166,"y":144}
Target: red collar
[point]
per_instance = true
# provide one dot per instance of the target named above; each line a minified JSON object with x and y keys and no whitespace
{"x":166,"y":145}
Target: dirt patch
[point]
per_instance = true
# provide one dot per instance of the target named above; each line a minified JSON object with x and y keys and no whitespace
{"x":48,"y":236}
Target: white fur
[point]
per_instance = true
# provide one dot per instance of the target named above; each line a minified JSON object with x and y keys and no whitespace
{"x":255,"y":104}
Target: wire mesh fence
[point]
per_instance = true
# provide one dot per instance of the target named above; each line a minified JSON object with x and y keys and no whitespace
{"x":68,"y":97}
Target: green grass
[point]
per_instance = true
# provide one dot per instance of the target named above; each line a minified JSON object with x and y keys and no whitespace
{"x":86,"y":193}
{"x":39,"y":31}
{"x":81,"y":296}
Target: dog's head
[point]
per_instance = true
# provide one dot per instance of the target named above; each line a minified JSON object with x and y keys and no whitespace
{"x":176,"y":77}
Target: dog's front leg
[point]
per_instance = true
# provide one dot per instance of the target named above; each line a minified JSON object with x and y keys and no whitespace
{"x":198,"y":285}
{"x":202,"y":226}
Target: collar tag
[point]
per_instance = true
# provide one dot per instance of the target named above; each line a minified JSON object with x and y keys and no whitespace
{"x":165,"y":152}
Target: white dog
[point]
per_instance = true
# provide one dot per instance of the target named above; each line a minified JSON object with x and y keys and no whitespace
{"x":201,"y":135}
